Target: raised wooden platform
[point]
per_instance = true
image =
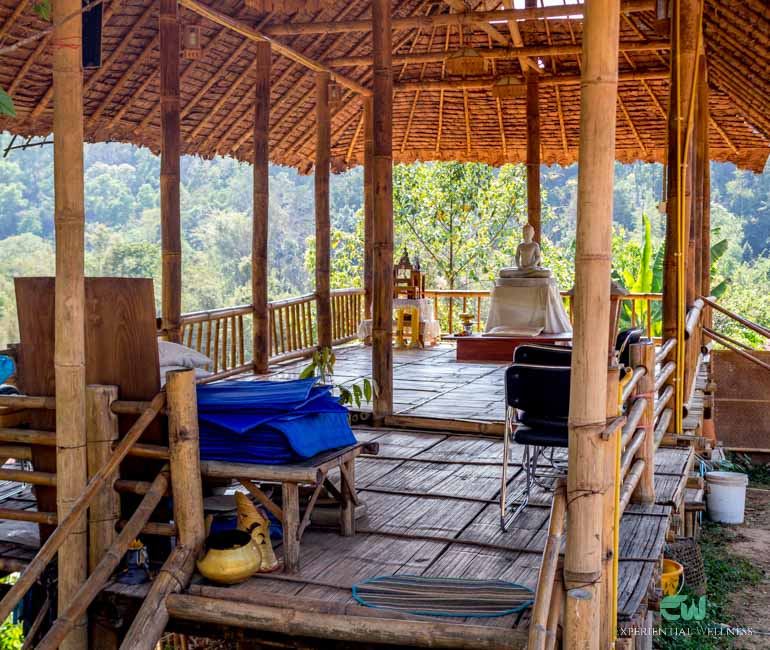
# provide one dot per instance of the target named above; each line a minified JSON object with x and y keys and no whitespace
{"x":431,"y":510}
{"x":499,"y":348}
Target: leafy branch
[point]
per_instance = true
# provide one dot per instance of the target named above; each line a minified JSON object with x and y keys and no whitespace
{"x":322,"y":366}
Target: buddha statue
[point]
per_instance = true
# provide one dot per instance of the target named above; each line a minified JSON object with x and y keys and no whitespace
{"x":527,"y":258}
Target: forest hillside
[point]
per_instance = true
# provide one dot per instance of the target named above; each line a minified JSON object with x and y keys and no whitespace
{"x":462,"y":221}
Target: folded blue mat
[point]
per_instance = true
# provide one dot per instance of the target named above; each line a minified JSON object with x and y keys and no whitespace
{"x":270,"y":422}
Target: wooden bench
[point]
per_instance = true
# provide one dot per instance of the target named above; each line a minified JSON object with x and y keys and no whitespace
{"x":313,"y":471}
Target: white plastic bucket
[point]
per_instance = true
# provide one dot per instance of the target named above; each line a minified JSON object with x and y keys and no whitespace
{"x":726,"y":496}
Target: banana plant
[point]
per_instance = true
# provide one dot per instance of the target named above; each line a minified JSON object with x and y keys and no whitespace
{"x":649,"y":279}
{"x":322,"y":366}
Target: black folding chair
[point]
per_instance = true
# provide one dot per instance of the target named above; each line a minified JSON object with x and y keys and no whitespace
{"x":537,"y":406}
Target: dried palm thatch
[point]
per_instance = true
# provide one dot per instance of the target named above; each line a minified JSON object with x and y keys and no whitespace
{"x":436,"y":115}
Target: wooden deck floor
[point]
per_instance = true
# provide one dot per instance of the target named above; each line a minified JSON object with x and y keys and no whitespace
{"x":427,"y":382}
{"x":431,"y":510}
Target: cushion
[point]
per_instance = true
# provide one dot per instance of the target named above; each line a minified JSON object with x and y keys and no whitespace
{"x":173,"y":354}
{"x":541,"y":437}
{"x":199,"y":372}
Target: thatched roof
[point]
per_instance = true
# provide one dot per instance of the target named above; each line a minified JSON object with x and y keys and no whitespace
{"x":447,"y":118}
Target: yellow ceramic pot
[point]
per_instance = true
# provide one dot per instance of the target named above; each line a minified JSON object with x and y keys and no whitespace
{"x":231,"y":557}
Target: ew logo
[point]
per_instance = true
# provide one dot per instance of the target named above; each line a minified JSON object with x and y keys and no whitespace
{"x":686,"y":608}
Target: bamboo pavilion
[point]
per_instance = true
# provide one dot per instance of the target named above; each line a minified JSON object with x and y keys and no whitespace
{"x":324,"y":85}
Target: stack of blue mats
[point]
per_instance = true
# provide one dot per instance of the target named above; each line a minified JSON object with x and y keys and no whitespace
{"x":270,"y":422}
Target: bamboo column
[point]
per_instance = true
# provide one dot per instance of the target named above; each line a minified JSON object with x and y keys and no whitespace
{"x":170,"y":229}
{"x":368,"y":204}
{"x":261,"y":325}
{"x":382,"y":232}
{"x":184,"y":457}
{"x":587,"y":450}
{"x":102,"y":432}
{"x":69,"y":354}
{"x":704,"y":185}
{"x":684,"y":43}
{"x":533,"y":146}
{"x":322,"y":224}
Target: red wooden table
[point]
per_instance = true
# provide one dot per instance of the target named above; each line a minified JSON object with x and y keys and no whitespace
{"x":499,"y":348}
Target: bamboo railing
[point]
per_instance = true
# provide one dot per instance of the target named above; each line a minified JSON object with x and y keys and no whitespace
{"x":224,"y":335}
{"x":181,"y":473}
{"x":637,"y":309}
{"x":220,"y":335}
{"x":730,"y":343}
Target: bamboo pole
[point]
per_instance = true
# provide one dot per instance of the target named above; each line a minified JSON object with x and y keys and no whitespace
{"x":74,"y":609}
{"x":587,"y":451}
{"x":322,"y":223}
{"x":426,"y":23}
{"x":705,"y":184}
{"x":249,"y":32}
{"x":497,"y":53}
{"x":556,"y":610}
{"x":684,"y":43}
{"x":259,"y":255}
{"x":69,"y":353}
{"x":368,"y":205}
{"x":70,"y":522}
{"x":643,"y":354}
{"x":538,"y":627}
{"x":184,"y":458}
{"x":170,"y":228}
{"x":337,"y":627}
{"x":533,"y":145}
{"x":152,"y":618}
{"x":382,"y":234}
{"x":102,"y":431}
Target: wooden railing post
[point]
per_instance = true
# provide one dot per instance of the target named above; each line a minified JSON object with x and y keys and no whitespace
{"x":102,"y":432}
{"x":643,"y":354}
{"x":184,"y":457}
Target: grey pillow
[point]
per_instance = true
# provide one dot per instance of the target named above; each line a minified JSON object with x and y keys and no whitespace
{"x":173,"y":354}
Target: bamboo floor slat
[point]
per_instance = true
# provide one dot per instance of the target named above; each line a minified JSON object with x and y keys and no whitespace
{"x":431,"y":510}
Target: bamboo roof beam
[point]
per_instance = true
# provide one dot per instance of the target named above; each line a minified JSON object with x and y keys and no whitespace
{"x":724,"y":135}
{"x":8,"y":24}
{"x":290,"y":69}
{"x":631,"y":125}
{"x":490,"y":30}
{"x":513,"y":29}
{"x":562,"y":128}
{"x":467,"y":19}
{"x":505,"y":53}
{"x":483,"y":83}
{"x":223,"y":68}
{"x":280,"y":48}
{"x":298,"y":144}
{"x":191,"y":67}
{"x":241,"y":105}
{"x":108,"y":62}
{"x":218,"y":105}
{"x":354,"y":139}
